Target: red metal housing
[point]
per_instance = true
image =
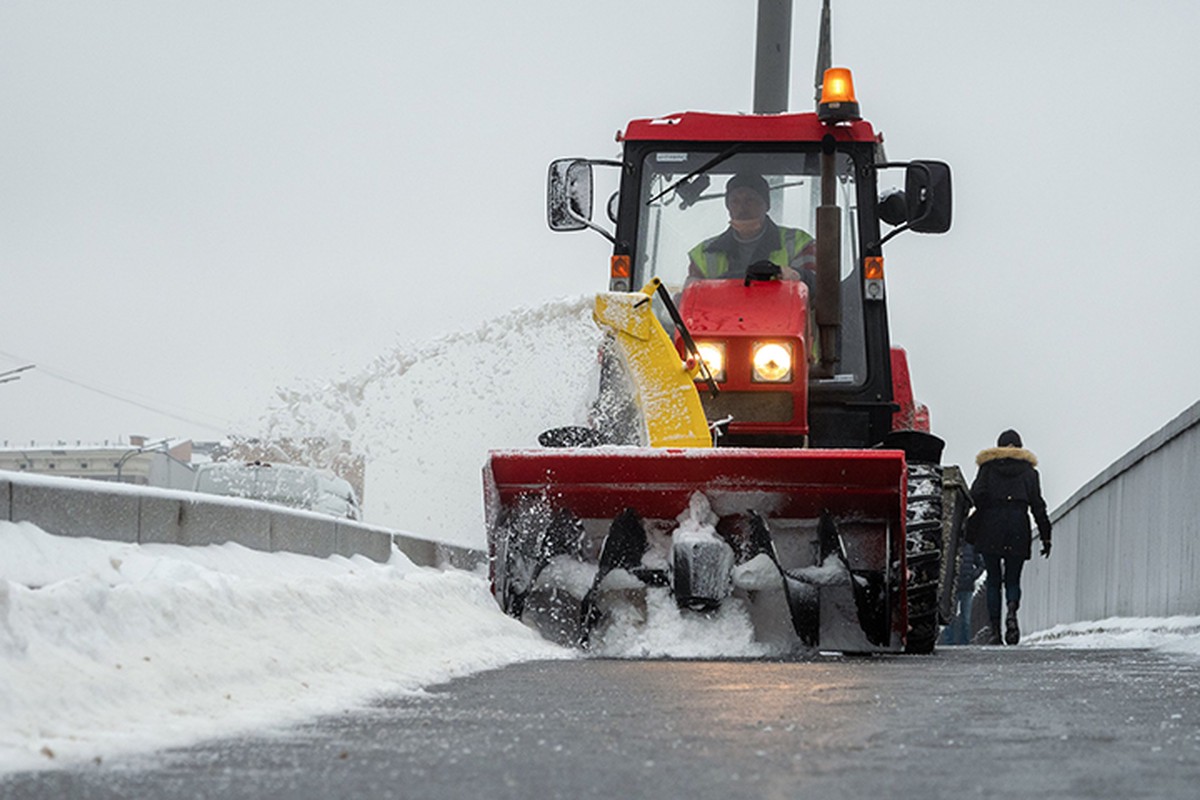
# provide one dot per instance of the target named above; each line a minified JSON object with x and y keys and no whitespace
{"x":699,"y":126}
{"x":742,"y":316}
{"x":600,"y":483}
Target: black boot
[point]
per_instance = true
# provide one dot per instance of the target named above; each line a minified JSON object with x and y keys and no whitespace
{"x":1012,"y":633}
{"x":994,"y":632}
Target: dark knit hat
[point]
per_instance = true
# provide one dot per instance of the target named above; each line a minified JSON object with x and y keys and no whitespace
{"x":748,"y":180}
{"x":1009,"y":438}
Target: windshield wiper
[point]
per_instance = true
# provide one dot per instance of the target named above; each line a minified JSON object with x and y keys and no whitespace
{"x":703,"y":168}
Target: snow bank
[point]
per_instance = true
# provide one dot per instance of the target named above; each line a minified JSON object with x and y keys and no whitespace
{"x":110,"y":648}
{"x":426,"y":415}
{"x":1178,"y":635}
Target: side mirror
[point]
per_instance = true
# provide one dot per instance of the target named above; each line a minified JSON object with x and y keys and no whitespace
{"x":927,"y":195}
{"x":569,"y":195}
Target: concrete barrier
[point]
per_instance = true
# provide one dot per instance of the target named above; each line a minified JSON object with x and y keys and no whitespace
{"x":121,"y":512}
{"x":352,"y":538}
{"x":202,"y":522}
{"x":5,"y":498}
{"x":460,"y":557}
{"x":86,"y":511}
{"x":160,"y":520}
{"x":309,"y":535}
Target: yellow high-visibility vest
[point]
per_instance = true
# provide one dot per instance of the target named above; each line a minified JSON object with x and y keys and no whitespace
{"x":715,"y":263}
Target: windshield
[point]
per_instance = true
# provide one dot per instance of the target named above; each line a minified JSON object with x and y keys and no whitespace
{"x":702,"y":227}
{"x":271,"y":484}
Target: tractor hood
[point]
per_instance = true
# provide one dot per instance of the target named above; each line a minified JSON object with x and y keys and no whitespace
{"x":733,"y":308}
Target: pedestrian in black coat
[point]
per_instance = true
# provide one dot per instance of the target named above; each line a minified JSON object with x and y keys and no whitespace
{"x":1006,"y":489}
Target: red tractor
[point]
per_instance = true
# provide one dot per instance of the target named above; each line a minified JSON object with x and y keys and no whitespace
{"x":755,"y":439}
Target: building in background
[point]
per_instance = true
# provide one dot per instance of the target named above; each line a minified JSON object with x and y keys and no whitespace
{"x":171,"y":463}
{"x":166,"y":463}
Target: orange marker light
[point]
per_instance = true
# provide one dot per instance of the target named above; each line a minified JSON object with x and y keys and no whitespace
{"x":838,"y":103}
{"x":619,"y":267}
{"x":837,"y":86}
{"x":873,"y":268}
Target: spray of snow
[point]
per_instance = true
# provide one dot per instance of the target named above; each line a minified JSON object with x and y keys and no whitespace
{"x":109,"y":648}
{"x":425,"y":416}
{"x":663,"y":630}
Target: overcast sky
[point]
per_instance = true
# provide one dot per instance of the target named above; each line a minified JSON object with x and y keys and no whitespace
{"x":201,"y":202}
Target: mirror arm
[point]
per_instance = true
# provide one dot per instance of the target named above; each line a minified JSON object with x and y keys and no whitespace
{"x":588,"y":223}
{"x":905,"y":226}
{"x":892,"y":233}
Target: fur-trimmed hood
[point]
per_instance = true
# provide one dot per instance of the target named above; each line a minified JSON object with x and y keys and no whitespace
{"x":997,"y":453}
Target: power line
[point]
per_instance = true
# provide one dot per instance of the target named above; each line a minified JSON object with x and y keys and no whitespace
{"x":225,"y":428}
{"x":13,"y":374}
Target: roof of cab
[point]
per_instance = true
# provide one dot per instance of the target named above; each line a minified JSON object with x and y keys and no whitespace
{"x":702,"y":126}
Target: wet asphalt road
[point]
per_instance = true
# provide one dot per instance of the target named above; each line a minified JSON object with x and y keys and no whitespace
{"x":967,"y":722}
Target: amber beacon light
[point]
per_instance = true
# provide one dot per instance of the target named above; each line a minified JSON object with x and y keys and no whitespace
{"x":838,"y":103}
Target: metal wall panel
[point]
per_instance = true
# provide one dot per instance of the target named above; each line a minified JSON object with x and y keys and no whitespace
{"x":1126,"y":543}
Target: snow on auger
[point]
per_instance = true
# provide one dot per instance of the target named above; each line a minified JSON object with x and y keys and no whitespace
{"x":755,"y":439}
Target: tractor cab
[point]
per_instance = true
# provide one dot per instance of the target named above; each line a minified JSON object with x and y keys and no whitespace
{"x":789,"y":316}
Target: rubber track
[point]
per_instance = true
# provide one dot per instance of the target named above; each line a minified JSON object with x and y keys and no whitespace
{"x":923,"y":550}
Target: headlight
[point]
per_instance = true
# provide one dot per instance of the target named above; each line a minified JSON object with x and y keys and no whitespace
{"x":713,"y":355}
{"x":773,"y":362}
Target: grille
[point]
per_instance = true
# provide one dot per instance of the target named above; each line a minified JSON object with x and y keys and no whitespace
{"x":749,"y":406}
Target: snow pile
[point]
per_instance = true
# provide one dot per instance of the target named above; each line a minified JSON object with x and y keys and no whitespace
{"x":109,"y":648}
{"x":1178,"y":635}
{"x":425,"y":416}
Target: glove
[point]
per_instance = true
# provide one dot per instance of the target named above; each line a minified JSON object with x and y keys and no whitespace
{"x":1045,"y":548}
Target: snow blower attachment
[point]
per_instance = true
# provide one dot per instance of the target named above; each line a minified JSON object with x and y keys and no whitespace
{"x":812,"y":541}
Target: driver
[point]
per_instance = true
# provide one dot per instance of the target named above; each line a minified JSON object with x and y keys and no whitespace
{"x":753,"y":237}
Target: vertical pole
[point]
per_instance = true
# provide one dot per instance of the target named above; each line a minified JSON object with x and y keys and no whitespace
{"x":824,"y":52}
{"x":772,"y":58}
{"x":828,"y":302}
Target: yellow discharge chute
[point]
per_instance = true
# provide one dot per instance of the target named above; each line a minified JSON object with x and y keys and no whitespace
{"x":664,"y":389}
